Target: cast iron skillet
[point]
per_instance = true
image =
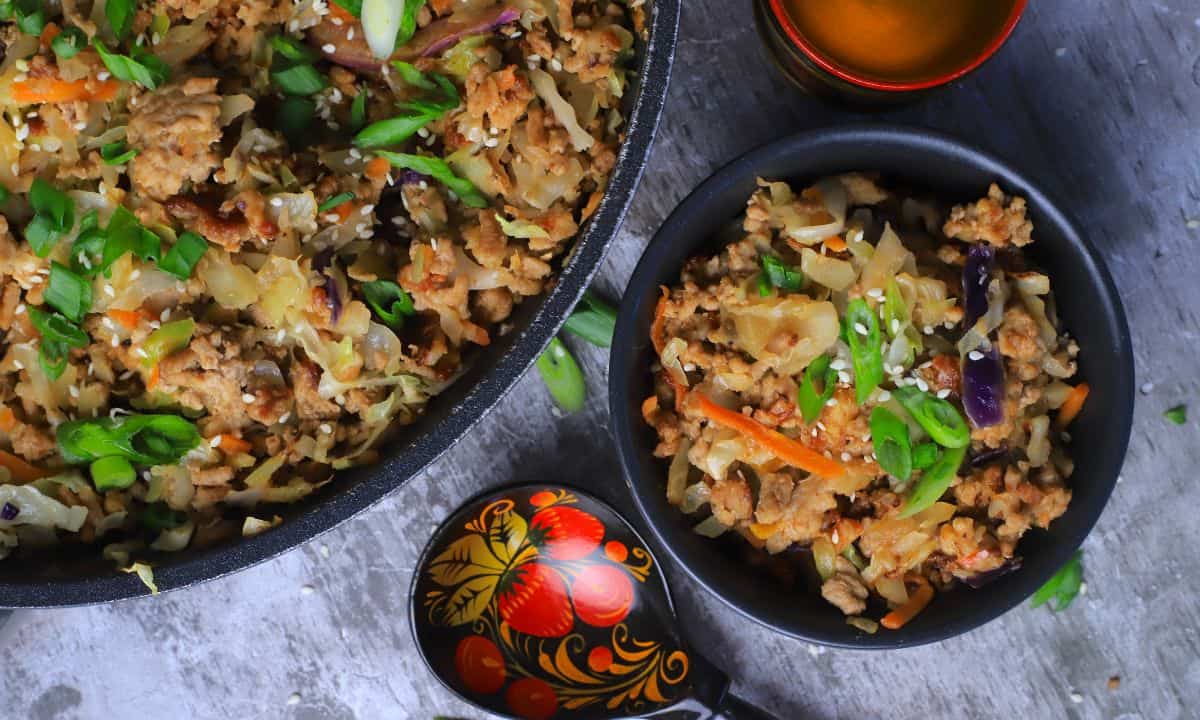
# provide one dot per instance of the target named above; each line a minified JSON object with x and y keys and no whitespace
{"x":83,"y":579}
{"x":1088,"y":305}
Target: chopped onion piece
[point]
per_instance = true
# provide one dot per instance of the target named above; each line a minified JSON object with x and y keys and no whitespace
{"x":381,"y":23}
{"x":677,"y":474}
{"x":710,"y":527}
{"x":544,"y":86}
{"x":833,"y":196}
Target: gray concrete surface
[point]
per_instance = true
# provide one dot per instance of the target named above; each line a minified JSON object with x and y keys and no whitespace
{"x":1100,"y":100}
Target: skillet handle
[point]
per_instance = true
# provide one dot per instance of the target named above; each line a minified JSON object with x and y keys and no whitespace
{"x":735,"y":708}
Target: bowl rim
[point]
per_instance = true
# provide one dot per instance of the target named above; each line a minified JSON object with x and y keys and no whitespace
{"x":827,"y":64}
{"x":899,"y":138}
{"x":374,"y":482}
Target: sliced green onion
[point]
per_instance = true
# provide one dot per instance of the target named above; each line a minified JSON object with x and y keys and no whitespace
{"x":781,"y":276}
{"x":139,"y":66}
{"x":120,"y":16}
{"x":140,"y":439}
{"x":112,"y":473}
{"x":895,"y":310}
{"x":412,"y":76}
{"x":294,"y":117}
{"x":160,"y":516}
{"x":54,"y":216}
{"x":440,"y":171}
{"x":389,"y":301}
{"x":408,"y":21}
{"x":358,"y":110}
{"x":594,"y":321}
{"x":1063,"y":586}
{"x":763,"y":283}
{"x":938,"y":417}
{"x":300,"y":80}
{"x":68,"y":293}
{"x":3,"y":193}
{"x":69,"y":42}
{"x":117,"y":153}
{"x":354,"y":7}
{"x":866,"y":345}
{"x":292,"y":49}
{"x":335,"y":201}
{"x":893,"y":450}
{"x":31,"y":16}
{"x":381,"y":25}
{"x":934,"y":482}
{"x":811,"y":400}
{"x":1177,"y":414}
{"x":126,"y":234}
{"x":392,"y":131}
{"x":924,"y":456}
{"x":181,"y":259}
{"x":57,"y":328}
{"x":169,"y":338}
{"x":562,"y":376}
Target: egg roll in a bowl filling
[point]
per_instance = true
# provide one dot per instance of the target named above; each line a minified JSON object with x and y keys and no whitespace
{"x":873,"y":376}
{"x":242,"y":239}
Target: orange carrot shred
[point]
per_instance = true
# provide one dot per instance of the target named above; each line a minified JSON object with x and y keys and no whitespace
{"x":153,"y":378}
{"x":341,"y":13}
{"x":54,"y":90}
{"x":377,"y":168}
{"x":658,"y":329}
{"x":835,"y":243}
{"x":50,"y":32}
{"x":344,"y":210}
{"x":233,"y":444}
{"x":649,"y":407}
{"x":21,"y":470}
{"x":1072,"y":405}
{"x":917,"y":601}
{"x":8,"y":420}
{"x":127,"y":319}
{"x":786,"y":449}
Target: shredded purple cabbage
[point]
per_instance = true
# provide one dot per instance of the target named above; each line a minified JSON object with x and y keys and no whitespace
{"x":335,"y":284}
{"x":486,"y":22}
{"x":412,"y":177}
{"x":987,"y":457}
{"x":9,"y":511}
{"x":977,"y":273}
{"x":978,"y":581}
{"x":983,"y":387}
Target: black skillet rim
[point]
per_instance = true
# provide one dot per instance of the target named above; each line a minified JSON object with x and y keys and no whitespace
{"x":380,"y":479}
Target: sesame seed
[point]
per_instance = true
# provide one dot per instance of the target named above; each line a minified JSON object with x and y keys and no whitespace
{"x":166,"y":313}
{"x":20,"y":309}
{"x":555,"y":65}
{"x":860,"y":328}
{"x":367,"y":209}
{"x":140,"y":352}
{"x":1147,"y":388}
{"x":876,"y":293}
{"x":328,"y":48}
{"x":830,"y":402}
{"x":922,"y":385}
{"x":895,"y":326}
{"x":109,"y":291}
{"x":135,"y":274}
{"x":247,"y":398}
{"x":975,"y":355}
{"x":845,"y":457}
{"x":276,"y":202}
{"x":884,"y":396}
{"x":18,"y":364}
{"x":928,"y":329}
{"x":280,"y":336}
{"x":216,"y":440}
{"x":814,"y":432}
{"x":73,"y":391}
{"x":843,"y":376}
{"x":943,"y":393}
{"x":103,"y":75}
{"x":284,"y":417}
{"x":350,"y":34}
{"x":356,"y":153}
{"x":114,"y":341}
{"x":838,"y":364}
{"x":326,"y":428}
{"x":307,"y":590}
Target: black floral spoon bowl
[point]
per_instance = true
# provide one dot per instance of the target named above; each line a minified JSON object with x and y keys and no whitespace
{"x":540,"y":601}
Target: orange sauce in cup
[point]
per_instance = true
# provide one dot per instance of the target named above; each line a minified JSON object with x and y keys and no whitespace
{"x":900,"y":41}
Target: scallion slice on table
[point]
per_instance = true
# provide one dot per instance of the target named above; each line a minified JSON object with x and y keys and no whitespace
{"x":1177,"y":414}
{"x":866,"y":344}
{"x":1063,"y":586}
{"x":562,"y":376}
{"x":593,"y":321}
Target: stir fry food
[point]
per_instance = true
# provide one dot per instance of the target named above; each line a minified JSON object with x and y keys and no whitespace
{"x":242,"y":239}
{"x":868,"y":374}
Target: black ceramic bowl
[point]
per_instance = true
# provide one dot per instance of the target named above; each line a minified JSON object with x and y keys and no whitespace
{"x":1088,"y":305}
